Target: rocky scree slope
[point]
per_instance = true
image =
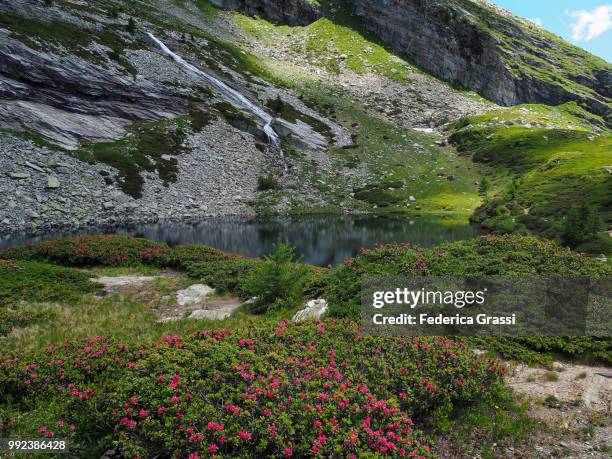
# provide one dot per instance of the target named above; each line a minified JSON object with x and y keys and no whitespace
{"x":98,"y":127}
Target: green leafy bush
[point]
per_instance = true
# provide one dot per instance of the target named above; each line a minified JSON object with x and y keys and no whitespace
{"x":27,"y":281}
{"x":226,"y":276}
{"x":268,"y":182}
{"x":488,"y":255}
{"x":581,"y":225}
{"x":105,"y":250}
{"x":182,"y":255}
{"x":274,"y":390}
{"x":38,"y":282}
{"x":278,"y":282}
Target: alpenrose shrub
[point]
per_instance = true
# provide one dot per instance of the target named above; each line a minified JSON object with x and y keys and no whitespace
{"x":106,"y":250}
{"x":33,"y":281}
{"x":277,"y":390}
{"x":488,"y":255}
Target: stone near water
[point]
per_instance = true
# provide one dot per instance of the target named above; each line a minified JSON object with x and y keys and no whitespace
{"x":167,"y":320}
{"x":314,"y":310}
{"x":193,"y":294}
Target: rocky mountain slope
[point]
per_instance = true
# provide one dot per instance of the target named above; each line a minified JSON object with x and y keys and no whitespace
{"x":467,"y":42}
{"x":100,"y":125}
{"x":502,"y":57}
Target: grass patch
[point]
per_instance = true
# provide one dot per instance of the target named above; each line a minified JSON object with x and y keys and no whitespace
{"x":267,"y":183}
{"x":40,"y":282}
{"x":338,"y":40}
{"x":492,"y":420}
{"x":148,"y":146}
{"x":551,"y":376}
{"x":394,"y":155}
{"x":34,"y":282}
{"x":544,"y":162}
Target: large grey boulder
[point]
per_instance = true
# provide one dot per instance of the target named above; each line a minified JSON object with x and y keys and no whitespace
{"x":110,"y":282}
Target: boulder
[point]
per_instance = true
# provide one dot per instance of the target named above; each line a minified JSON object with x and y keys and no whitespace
{"x":314,"y":310}
{"x":193,"y":294}
{"x":52,"y":182}
{"x":34,"y":166}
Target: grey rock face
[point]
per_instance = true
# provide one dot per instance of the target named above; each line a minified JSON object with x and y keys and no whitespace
{"x":66,"y":98}
{"x":294,"y":12}
{"x":299,"y":134}
{"x":452,"y":41}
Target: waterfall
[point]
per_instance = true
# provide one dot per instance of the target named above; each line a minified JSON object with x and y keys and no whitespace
{"x":234,"y":96}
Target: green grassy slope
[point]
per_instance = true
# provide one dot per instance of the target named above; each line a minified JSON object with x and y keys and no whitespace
{"x":555,"y":156}
{"x":404,"y":163}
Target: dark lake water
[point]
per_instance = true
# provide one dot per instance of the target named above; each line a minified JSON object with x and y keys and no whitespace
{"x":320,"y":240}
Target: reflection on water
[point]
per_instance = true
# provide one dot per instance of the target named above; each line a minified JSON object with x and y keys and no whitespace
{"x":321,"y":240}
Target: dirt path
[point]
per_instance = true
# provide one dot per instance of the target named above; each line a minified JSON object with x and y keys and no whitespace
{"x":574,"y":402}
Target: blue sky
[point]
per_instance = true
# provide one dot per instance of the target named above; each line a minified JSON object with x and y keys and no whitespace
{"x":586,"y":23}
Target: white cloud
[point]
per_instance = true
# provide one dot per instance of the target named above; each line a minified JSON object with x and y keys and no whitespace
{"x":537,"y":21}
{"x":591,"y":24}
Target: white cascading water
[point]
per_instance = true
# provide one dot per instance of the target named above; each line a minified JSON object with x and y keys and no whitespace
{"x":229,"y":92}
